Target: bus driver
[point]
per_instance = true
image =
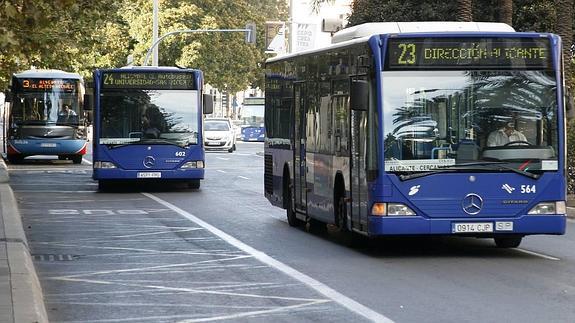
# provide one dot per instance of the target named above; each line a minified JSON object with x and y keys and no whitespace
{"x":505,"y":135}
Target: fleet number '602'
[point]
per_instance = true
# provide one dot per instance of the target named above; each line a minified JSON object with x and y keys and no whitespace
{"x":526,"y":189}
{"x":180,"y":154}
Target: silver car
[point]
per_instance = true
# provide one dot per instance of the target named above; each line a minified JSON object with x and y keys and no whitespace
{"x":219,"y":134}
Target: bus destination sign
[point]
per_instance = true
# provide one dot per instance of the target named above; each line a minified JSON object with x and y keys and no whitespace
{"x":468,"y":53}
{"x":38,"y":84}
{"x":148,"y":80}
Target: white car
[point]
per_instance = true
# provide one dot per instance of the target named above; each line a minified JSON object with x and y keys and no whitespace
{"x":219,"y":134}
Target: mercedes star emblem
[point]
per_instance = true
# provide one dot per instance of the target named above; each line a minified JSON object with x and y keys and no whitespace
{"x":472,"y":204}
{"x":149,"y":162}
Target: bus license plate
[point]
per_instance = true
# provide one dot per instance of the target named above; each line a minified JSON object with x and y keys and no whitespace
{"x":48,"y":145}
{"x":149,"y":175}
{"x":472,"y":227}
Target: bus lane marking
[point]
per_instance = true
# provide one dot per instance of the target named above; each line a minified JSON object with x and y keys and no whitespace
{"x":537,"y":254}
{"x":243,"y":177}
{"x":316,"y":285}
{"x":221,"y":171}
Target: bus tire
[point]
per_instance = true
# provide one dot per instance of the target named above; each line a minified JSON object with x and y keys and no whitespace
{"x":15,"y":159}
{"x":508,"y":242}
{"x":103,"y":185}
{"x":194,"y":184}
{"x":292,"y":219}
{"x":76,"y":159}
{"x":348,"y":238}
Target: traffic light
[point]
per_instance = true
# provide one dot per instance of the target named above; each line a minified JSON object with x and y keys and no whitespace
{"x":225,"y":97}
{"x":251,"y":33}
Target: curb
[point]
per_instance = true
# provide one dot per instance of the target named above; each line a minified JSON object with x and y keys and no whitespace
{"x":26,"y":291}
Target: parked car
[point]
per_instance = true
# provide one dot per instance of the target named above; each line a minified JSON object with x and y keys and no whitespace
{"x":219,"y":134}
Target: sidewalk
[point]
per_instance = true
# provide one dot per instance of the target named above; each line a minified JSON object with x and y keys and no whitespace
{"x":20,"y":292}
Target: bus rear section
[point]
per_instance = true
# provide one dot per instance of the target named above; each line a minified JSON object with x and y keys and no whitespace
{"x":45,"y":116}
{"x":408,"y":134}
{"x":148,"y":126}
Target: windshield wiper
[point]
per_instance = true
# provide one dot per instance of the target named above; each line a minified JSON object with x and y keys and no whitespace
{"x":500,"y":166}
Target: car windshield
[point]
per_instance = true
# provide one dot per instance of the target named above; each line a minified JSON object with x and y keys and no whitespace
{"x":443,"y":118}
{"x":136,"y":116}
{"x":216,"y":126}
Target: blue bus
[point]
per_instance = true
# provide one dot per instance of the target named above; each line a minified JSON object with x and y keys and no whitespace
{"x":148,"y":125}
{"x":252,"y":117}
{"x":45,"y":116}
{"x":392,"y":131}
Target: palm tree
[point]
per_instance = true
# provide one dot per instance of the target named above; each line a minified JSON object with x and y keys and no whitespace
{"x":464,"y":10}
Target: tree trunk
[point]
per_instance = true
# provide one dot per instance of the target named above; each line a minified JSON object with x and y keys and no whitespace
{"x":464,"y":12}
{"x":506,"y":11}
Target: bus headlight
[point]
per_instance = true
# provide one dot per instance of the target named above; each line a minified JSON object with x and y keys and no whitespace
{"x":193,"y":164}
{"x":391,"y":209}
{"x":104,"y":165}
{"x":557,"y":207}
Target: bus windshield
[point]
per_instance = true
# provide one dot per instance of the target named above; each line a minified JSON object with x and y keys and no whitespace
{"x":252,"y":116}
{"x":437,"y":119}
{"x":149,"y":116}
{"x":41,"y":107}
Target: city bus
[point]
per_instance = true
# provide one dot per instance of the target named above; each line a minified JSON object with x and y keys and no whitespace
{"x":44,"y":115}
{"x":252,"y":117}
{"x":387,"y":132}
{"x":148,"y":125}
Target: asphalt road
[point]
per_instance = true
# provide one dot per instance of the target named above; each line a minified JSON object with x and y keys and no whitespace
{"x":171,"y":254}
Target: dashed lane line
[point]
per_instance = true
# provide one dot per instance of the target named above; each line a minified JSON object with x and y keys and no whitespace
{"x":321,"y":288}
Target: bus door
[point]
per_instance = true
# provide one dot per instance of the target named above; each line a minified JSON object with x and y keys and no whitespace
{"x":358,"y":164}
{"x":299,"y":171}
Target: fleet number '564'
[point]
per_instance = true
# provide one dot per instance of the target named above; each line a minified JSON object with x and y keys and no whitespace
{"x":527,"y":189}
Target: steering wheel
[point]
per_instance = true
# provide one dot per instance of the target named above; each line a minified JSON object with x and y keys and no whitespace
{"x":518,"y":142}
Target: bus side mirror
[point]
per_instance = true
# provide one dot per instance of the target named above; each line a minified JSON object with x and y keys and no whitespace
{"x":8,"y":96}
{"x":359,"y":95}
{"x":208,"y":104}
{"x":88,"y":102}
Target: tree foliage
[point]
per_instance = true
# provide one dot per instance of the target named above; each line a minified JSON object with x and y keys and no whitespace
{"x":81,"y":36}
{"x":58,"y":34}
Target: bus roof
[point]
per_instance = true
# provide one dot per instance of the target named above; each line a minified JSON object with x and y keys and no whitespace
{"x":47,"y":73}
{"x":361,"y":33}
{"x":373,"y":28}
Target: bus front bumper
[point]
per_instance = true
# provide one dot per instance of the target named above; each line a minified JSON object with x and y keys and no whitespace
{"x":29,"y":147}
{"x":143,"y":174}
{"x":485,"y":227}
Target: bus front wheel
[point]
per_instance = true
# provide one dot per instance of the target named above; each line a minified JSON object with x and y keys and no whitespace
{"x":508,"y":242}
{"x":194,"y":184}
{"x":292,"y":219}
{"x":348,"y":237}
{"x":77,"y":159}
{"x":15,"y":159}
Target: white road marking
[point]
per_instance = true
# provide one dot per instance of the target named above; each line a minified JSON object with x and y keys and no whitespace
{"x":533,"y":253}
{"x":243,"y":177}
{"x":87,"y":161}
{"x":221,"y":171}
{"x":323,"y":289}
{"x":222,"y":158}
